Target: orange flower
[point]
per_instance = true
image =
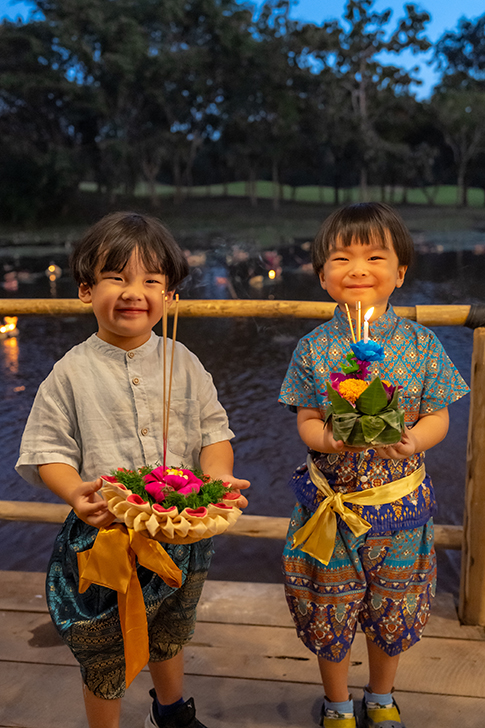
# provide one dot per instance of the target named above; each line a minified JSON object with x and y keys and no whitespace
{"x":351,"y":389}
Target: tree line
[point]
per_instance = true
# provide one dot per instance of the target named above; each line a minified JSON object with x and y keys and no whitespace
{"x":209,"y":91}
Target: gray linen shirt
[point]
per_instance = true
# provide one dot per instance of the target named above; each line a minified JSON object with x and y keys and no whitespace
{"x":101,"y":408}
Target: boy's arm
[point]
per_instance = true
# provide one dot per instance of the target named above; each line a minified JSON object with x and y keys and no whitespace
{"x":65,"y":481}
{"x":217,"y":460}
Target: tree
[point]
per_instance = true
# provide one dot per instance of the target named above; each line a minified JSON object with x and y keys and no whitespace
{"x":39,"y":115}
{"x":461,"y":117}
{"x":354,"y":51}
{"x":460,"y":55}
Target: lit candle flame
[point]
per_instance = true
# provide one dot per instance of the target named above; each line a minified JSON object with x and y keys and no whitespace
{"x":272,"y":274}
{"x":368,"y":313}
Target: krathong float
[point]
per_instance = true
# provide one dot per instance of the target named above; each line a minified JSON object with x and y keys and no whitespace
{"x":363,"y":413}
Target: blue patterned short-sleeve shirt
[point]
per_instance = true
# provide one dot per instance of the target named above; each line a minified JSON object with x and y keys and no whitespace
{"x":415,"y":360}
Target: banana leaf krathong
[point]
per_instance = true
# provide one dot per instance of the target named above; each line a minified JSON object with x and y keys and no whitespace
{"x":369,"y":415}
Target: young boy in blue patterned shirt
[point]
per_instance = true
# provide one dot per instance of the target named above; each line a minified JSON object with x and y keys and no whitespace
{"x":384,"y":578}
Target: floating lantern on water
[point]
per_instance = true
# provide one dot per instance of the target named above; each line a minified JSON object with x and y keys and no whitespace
{"x":53,"y":272}
{"x":272,"y":275}
{"x":9,"y":328}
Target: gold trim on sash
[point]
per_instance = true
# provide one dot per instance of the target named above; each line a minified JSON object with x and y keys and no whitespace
{"x":318,"y":533}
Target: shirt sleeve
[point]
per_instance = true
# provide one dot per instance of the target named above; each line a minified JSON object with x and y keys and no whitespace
{"x":298,"y":388}
{"x":443,"y":383}
{"x":50,"y":433}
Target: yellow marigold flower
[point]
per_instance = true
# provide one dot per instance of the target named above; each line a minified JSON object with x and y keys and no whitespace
{"x":351,"y":389}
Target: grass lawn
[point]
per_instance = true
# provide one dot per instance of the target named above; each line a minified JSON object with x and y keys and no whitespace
{"x":206,"y":214}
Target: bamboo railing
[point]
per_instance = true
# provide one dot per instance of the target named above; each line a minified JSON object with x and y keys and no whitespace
{"x":468,"y":538}
{"x":426,"y":315}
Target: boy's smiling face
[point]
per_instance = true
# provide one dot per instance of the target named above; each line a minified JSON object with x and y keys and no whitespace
{"x":365,"y":273}
{"x":127,"y":304}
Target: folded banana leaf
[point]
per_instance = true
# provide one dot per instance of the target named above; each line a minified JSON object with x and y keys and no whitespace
{"x":374,"y":420}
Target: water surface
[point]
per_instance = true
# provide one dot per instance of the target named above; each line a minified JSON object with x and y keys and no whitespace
{"x":248,"y":360}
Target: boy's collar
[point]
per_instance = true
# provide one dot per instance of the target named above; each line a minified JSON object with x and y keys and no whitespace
{"x":116,"y":353}
{"x":380,"y":328}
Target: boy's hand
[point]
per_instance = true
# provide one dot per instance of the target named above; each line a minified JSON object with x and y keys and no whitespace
{"x":403,"y":449}
{"x":89,"y":506}
{"x":237,"y":485}
{"x":336,"y":446}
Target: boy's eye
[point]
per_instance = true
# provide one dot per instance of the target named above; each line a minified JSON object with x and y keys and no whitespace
{"x":154,"y":280}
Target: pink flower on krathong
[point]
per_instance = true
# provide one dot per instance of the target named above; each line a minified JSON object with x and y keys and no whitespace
{"x":160,"y":479}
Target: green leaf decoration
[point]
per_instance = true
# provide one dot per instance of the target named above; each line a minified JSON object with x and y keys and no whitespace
{"x":371,"y":427}
{"x":342,"y":425}
{"x":211,"y":492}
{"x":394,"y":403}
{"x":388,"y":436}
{"x":393,"y":418}
{"x":357,"y":438}
{"x":339,"y":404}
{"x":373,"y":399}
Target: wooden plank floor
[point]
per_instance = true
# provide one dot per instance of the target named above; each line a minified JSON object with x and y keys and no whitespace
{"x":245,"y":666}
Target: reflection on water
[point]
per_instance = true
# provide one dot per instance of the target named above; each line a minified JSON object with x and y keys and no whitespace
{"x":248,"y":359}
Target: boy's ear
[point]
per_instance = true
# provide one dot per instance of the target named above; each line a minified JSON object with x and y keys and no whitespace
{"x":169,"y":296}
{"x":321,"y":276}
{"x":84,"y":293}
{"x":401,"y":272}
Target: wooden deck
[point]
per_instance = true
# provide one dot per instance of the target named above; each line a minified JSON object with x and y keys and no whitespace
{"x":245,"y":667}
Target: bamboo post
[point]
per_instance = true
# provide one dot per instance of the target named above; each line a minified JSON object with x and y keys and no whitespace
{"x":472,"y":589}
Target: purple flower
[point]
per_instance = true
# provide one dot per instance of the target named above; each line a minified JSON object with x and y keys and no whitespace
{"x":337,"y":377}
{"x":389,"y":389}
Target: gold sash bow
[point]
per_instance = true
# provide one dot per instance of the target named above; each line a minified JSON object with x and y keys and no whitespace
{"x":111,"y":562}
{"x":318,"y":533}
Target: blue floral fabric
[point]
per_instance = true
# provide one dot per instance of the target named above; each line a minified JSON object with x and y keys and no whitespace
{"x":416,"y":361}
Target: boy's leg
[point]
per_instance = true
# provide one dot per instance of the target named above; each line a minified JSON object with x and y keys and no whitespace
{"x":382,"y":669}
{"x":335,"y":678}
{"x":168,"y":678}
{"x":101,"y":713}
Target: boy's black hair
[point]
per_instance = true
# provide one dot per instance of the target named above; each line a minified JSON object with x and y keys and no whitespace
{"x":363,"y":222}
{"x":109,"y":243}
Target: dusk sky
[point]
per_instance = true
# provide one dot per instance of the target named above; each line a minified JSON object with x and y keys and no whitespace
{"x":444,"y":16}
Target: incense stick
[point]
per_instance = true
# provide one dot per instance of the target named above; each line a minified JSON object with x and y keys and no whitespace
{"x":350,"y":322}
{"x":358,"y":308}
{"x":174,"y":336}
{"x":164,"y":416}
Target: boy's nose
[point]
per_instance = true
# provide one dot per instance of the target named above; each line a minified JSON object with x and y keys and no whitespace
{"x":358,"y":269}
{"x":132,"y":290}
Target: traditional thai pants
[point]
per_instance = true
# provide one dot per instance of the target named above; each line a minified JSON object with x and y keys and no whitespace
{"x":89,"y":623}
{"x":384,"y":581}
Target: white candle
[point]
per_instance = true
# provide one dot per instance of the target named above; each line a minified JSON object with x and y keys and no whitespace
{"x":367,"y":316}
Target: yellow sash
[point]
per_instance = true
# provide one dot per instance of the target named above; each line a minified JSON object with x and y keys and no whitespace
{"x":111,"y":562}
{"x":318,"y":533}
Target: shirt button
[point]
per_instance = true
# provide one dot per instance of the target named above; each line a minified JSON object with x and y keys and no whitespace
{"x":131,"y":354}
{"x":135,"y":380}
{"x":144,"y":431}
{"x":364,"y":479}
